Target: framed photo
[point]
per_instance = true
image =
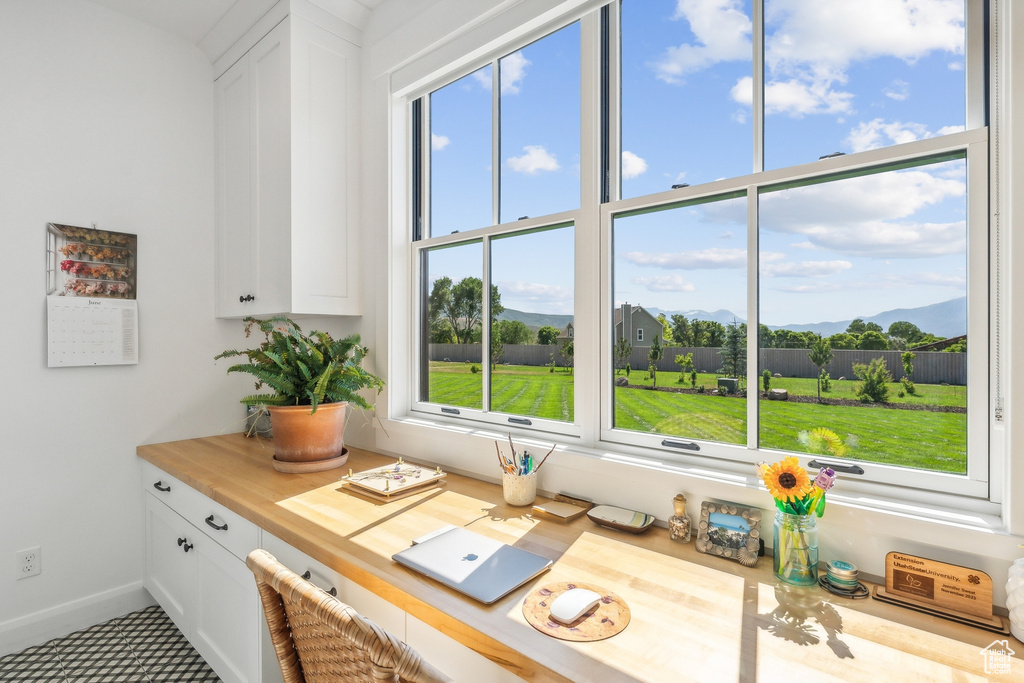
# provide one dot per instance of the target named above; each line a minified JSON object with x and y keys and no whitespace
{"x":729,"y":530}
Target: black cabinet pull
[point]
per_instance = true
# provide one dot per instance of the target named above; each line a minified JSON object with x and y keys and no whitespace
{"x":160,"y":487}
{"x":307,"y":575}
{"x":846,"y":469}
{"x":247,"y":297}
{"x":214,"y":525}
{"x":184,"y":545}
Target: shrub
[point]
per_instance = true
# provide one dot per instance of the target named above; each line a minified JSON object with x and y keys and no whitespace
{"x":693,"y":379}
{"x":700,"y":389}
{"x":474,"y":368}
{"x":766,"y":380}
{"x":874,"y":378}
{"x":908,"y":386}
{"x":826,"y":381}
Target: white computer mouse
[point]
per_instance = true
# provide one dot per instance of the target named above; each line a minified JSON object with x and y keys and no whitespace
{"x":572,"y":604}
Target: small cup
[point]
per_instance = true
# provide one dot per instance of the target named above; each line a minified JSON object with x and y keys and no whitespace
{"x":519,"y":489}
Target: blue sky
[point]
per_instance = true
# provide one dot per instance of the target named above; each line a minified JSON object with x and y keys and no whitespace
{"x":840,"y":76}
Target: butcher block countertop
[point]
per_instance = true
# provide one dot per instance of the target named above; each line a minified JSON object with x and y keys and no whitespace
{"x":694,"y":617}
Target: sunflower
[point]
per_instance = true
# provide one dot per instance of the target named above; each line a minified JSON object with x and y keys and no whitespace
{"x":787,"y":481}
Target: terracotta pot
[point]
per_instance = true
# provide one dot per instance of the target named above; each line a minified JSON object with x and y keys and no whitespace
{"x":301,"y":437}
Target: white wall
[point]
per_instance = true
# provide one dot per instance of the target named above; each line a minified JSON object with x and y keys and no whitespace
{"x":103,"y":120}
{"x":404,"y":43}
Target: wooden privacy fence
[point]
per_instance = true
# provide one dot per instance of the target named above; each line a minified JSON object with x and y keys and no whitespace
{"x":930,"y":367}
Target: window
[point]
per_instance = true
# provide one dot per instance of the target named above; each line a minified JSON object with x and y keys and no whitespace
{"x":809,"y":171}
{"x":502,"y":156}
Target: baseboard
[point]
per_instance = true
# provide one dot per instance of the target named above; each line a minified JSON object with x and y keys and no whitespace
{"x":60,"y":620}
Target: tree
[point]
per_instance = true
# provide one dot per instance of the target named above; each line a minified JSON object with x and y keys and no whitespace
{"x":872,"y":340}
{"x":654,"y":355}
{"x":566,"y":352}
{"x":843,"y":340}
{"x":682,"y":334}
{"x":907,"y":358}
{"x":513,"y":332}
{"x":734,"y":351}
{"x":666,"y":328}
{"x":715,"y":333}
{"x":685,"y":363}
{"x":872,"y":327}
{"x":461,"y":306}
{"x":766,"y":338}
{"x":856,"y":326}
{"x":821,"y":355}
{"x":698,"y":332}
{"x":906,"y":330}
{"x":547,"y":335}
{"x":623,"y":350}
{"x":874,"y":380}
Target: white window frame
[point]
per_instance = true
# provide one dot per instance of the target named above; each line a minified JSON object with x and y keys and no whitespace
{"x":592,"y":428}
{"x":639,"y":334}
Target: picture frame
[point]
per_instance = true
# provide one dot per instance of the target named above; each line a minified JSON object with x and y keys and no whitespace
{"x":729,"y":530}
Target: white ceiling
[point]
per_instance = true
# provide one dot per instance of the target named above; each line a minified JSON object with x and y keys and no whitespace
{"x":193,"y":19}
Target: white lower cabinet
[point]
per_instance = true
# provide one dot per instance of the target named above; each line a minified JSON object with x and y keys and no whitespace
{"x":195,"y":569}
{"x":203,"y":583}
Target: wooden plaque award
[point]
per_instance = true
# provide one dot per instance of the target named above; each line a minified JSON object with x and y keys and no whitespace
{"x":945,"y":590}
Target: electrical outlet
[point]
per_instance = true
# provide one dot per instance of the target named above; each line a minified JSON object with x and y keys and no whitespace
{"x":29,"y":562}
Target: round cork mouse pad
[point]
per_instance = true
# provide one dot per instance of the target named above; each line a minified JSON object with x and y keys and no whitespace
{"x":609,"y":617}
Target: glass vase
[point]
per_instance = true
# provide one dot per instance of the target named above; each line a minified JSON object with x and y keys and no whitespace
{"x":796,"y":549}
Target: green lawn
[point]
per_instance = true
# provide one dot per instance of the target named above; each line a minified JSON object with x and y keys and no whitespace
{"x":911,"y":438}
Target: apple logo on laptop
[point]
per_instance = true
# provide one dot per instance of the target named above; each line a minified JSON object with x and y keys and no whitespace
{"x":471,"y":557}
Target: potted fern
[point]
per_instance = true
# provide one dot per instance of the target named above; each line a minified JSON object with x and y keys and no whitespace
{"x":313,"y":378}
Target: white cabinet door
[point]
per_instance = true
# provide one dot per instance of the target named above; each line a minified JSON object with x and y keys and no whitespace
{"x":169,"y":573}
{"x":287,"y":176}
{"x":235,"y":246}
{"x":226,"y":614}
{"x":271,"y":227}
{"x":325,"y":177}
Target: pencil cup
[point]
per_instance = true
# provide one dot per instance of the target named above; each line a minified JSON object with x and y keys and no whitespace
{"x":519,"y":489}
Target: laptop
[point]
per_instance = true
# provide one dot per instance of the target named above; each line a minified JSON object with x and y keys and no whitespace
{"x":475,"y":565}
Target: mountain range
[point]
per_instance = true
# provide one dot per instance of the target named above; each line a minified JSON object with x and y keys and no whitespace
{"x":944,"y":319}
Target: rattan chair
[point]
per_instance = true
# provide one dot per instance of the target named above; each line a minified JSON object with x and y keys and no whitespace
{"x":319,"y":639}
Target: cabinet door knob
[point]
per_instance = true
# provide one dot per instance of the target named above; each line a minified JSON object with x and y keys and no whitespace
{"x":160,"y":487}
{"x":214,"y":525}
{"x":247,"y":297}
{"x":184,"y":545}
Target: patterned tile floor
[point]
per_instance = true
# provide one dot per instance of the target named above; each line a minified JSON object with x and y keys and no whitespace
{"x":140,"y":647}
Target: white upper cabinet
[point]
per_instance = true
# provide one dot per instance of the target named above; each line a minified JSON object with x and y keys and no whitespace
{"x":287,"y":193}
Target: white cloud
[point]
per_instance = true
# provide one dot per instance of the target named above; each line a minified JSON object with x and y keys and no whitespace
{"x":534,"y":160}
{"x":796,"y":97}
{"x":879,"y":133}
{"x":438,"y":142}
{"x":871,"y":215}
{"x":956,"y":66}
{"x":665,"y":283}
{"x":898,"y":90}
{"x":816,"y":288}
{"x":727,"y":235}
{"x":810,"y":46}
{"x":690,"y":260}
{"x":512,"y":71}
{"x":632,"y":165}
{"x":805,"y":268}
{"x":722,"y":33}
{"x":532,"y":291}
{"x":483,"y":77}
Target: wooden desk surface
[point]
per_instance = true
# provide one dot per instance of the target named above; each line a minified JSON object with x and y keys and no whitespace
{"x":694,"y":617}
